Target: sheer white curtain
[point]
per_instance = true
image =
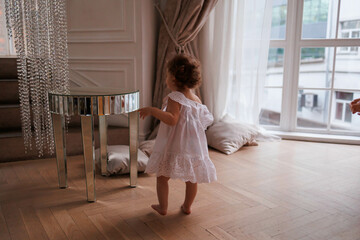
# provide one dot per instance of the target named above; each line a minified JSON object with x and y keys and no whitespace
{"x":233,"y":48}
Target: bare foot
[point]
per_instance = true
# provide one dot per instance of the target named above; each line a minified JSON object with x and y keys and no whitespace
{"x":185,"y":210}
{"x":157,"y":208}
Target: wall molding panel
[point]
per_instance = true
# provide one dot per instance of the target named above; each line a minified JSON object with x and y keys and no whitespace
{"x":107,"y":21}
{"x":106,"y":72}
{"x":112,"y":43}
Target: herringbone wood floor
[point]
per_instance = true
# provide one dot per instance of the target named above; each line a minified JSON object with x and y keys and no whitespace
{"x":278,"y":190}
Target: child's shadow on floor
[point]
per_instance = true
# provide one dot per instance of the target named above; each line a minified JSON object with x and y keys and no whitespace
{"x":170,"y":216}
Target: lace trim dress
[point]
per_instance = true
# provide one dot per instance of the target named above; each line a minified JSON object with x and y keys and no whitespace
{"x":181,"y":151}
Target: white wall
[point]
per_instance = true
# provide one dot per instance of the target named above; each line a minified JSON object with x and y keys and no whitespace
{"x":349,"y":10}
{"x":112,"y":43}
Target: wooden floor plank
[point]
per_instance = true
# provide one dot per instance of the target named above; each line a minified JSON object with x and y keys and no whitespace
{"x":200,"y":232}
{"x":9,"y":174}
{"x":22,"y":174}
{"x":51,"y":226}
{"x":258,"y":216}
{"x":278,"y":190}
{"x":309,"y":228}
{"x":124,"y":227}
{"x":219,"y":233}
{"x":336,"y":229}
{"x":251,"y":228}
{"x":86,"y":225}
{"x":295,"y":223}
{"x":142,"y":229}
{"x":4,"y":231}
{"x":106,"y":227}
{"x":2,"y":178}
{"x":162,"y":230}
{"x":67,"y":224}
{"x":239,"y":213}
{"x":14,"y":221}
{"x":33,"y":224}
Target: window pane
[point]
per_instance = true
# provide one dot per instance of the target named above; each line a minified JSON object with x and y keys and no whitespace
{"x":3,"y":31}
{"x":345,"y":34}
{"x":341,"y":117}
{"x":348,"y":113}
{"x":278,"y":22}
{"x":339,"y":111}
{"x":313,"y":108}
{"x":349,"y":19}
{"x":316,"y":67}
{"x":344,"y":95}
{"x":355,"y":34}
{"x":319,"y":19}
{"x":347,"y":74}
{"x":275,"y":67}
{"x":271,"y":110}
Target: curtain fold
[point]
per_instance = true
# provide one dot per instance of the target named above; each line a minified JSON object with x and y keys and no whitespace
{"x":184,"y":19}
{"x":233,"y":51}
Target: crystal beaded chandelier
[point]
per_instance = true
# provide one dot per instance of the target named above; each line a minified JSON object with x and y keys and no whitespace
{"x":39,"y":30}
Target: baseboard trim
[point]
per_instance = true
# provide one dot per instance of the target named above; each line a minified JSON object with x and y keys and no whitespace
{"x":312,"y":137}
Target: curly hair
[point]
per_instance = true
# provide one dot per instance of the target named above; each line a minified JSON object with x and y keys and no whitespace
{"x":186,"y":70}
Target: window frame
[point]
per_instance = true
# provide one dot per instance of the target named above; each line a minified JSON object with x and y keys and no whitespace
{"x":292,"y":45}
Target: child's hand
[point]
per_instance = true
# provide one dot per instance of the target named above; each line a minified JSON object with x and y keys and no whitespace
{"x":144,"y":112}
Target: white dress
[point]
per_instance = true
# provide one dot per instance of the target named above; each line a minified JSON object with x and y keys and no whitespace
{"x":181,"y":151}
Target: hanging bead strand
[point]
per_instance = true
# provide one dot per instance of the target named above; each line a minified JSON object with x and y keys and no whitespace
{"x":39,"y":30}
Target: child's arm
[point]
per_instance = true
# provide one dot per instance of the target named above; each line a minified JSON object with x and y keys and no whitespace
{"x":170,"y":117}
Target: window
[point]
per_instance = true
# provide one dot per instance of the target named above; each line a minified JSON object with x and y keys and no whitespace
{"x":342,"y":111}
{"x":278,"y":23}
{"x":349,"y":29}
{"x":315,"y":19}
{"x":313,"y":67}
{"x":270,"y":113}
{"x":6,"y":45}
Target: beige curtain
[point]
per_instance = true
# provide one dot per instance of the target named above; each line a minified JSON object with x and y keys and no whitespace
{"x":181,"y":22}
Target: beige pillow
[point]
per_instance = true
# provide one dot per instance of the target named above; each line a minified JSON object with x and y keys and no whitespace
{"x":230,"y":137}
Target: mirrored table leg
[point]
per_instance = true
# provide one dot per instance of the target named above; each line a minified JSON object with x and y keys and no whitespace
{"x":60,"y":148}
{"x":87,"y":133}
{"x":134,"y":145}
{"x":103,"y":144}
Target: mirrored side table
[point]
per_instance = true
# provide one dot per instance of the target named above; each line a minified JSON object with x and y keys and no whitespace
{"x":89,"y":102}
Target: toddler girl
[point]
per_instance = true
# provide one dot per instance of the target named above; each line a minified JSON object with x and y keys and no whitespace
{"x":180,"y":149}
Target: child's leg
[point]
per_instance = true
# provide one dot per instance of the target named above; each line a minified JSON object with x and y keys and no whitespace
{"x":162,"y":188}
{"x":191,"y":190}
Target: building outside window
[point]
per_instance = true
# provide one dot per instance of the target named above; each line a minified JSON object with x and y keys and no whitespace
{"x":313,"y":72}
{"x":349,"y":29}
